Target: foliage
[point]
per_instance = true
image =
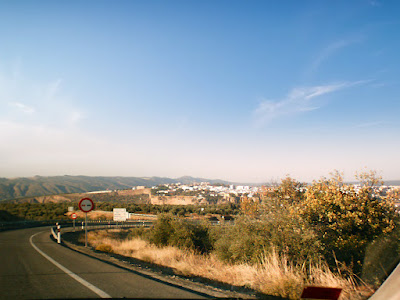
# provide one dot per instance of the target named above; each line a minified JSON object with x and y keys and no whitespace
{"x":275,"y":277}
{"x":7,"y":217}
{"x":249,"y":207}
{"x":36,"y":211}
{"x":181,"y":233}
{"x":284,"y":197}
{"x":289,"y":191}
{"x":104,"y":248}
{"x":381,"y":257}
{"x":248,"y":240}
{"x":346,"y":221}
{"x":139,"y":232}
{"x":369,"y":178}
{"x":56,"y":211}
{"x":394,"y":195}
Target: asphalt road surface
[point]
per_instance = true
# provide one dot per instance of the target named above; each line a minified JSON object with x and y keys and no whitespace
{"x":32,"y":266}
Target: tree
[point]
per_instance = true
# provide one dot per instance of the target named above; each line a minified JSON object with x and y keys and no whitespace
{"x":394,"y":195}
{"x":249,"y":207}
{"x":369,"y":179}
{"x":288,"y":192}
{"x":346,"y":221}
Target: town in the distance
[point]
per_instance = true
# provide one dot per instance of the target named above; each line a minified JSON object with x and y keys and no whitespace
{"x":204,"y":193}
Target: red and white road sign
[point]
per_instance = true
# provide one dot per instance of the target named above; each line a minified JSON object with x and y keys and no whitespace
{"x":86,"y":205}
{"x":73,"y":216}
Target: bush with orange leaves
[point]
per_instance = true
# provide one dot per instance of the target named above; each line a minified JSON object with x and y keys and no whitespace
{"x":347,"y":220}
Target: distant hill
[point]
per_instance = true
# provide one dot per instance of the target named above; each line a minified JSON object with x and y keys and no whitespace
{"x":392,"y":182}
{"x":42,"y":186}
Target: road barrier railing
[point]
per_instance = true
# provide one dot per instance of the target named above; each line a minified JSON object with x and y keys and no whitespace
{"x":109,"y":225}
{"x":56,"y":230}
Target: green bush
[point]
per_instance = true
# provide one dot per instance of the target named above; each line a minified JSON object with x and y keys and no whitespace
{"x":243,"y":242}
{"x":178,"y":232}
{"x":249,"y":239}
{"x":162,"y":230}
{"x":381,"y":257}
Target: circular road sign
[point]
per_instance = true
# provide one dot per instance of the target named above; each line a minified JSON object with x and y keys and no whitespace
{"x":73,"y":216}
{"x":86,"y":205}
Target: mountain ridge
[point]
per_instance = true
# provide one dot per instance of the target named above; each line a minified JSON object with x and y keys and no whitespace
{"x":20,"y":187}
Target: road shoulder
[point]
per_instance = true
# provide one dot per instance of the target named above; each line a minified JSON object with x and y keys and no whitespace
{"x":167,"y":275}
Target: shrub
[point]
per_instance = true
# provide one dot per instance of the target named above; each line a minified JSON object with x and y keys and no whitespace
{"x":347,"y":221}
{"x":249,"y":240}
{"x":162,"y":230}
{"x":381,"y":257}
{"x":104,"y":248}
{"x":178,"y":232}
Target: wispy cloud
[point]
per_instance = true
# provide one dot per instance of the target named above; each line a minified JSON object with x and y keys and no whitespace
{"x":329,"y":51}
{"x":45,"y":102}
{"x":370,"y":124}
{"x":23,"y":107}
{"x":298,"y":100}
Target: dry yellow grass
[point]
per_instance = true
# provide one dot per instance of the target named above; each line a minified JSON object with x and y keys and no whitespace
{"x":274,"y":276}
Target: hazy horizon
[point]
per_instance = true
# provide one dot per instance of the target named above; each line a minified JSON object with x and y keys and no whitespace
{"x":271,"y":180}
{"x":243,"y":91}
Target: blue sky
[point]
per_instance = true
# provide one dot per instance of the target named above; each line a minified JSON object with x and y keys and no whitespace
{"x":237,"y":90}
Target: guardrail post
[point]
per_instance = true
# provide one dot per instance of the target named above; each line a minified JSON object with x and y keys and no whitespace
{"x":58,"y":233}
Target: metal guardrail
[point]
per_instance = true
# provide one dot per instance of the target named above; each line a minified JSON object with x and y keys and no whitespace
{"x":56,"y":233}
{"x":143,"y":215}
{"x":138,"y":223}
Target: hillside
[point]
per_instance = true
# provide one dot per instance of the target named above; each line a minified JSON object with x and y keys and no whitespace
{"x":43,"y":186}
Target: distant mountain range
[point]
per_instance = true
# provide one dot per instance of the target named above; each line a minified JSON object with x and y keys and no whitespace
{"x":22,"y":187}
{"x":42,"y":186}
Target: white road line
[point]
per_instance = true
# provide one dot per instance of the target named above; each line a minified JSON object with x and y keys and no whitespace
{"x":82,"y":281}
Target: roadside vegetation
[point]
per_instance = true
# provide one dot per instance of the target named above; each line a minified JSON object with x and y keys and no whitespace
{"x":57,"y":211}
{"x":328,"y":234}
{"x":274,"y":275}
{"x":33,"y":211}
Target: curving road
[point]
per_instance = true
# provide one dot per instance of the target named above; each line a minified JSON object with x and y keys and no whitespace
{"x":32,"y":266}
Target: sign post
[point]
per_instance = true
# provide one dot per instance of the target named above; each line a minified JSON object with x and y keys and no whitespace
{"x":86,"y":205}
{"x":73,"y":216}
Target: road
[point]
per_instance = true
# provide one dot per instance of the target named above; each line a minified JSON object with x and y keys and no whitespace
{"x":32,"y":266}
